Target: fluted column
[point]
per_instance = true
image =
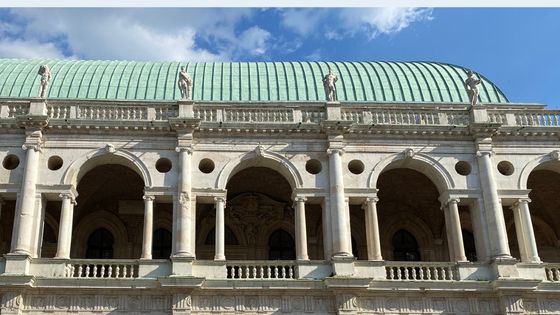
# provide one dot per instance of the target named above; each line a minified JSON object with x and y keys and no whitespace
{"x":148,"y":227}
{"x":372,"y":229}
{"x":342,"y":245}
{"x":26,"y":211}
{"x":301,"y":229}
{"x":493,"y":207}
{"x":220,"y":203}
{"x":455,"y":235}
{"x":525,"y":231}
{"x":184,"y":216}
{"x":65,"y":226}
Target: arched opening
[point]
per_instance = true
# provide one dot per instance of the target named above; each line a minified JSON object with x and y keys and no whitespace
{"x":405,"y":247}
{"x":544,"y":183}
{"x":470,"y":248}
{"x":281,"y":246}
{"x":161,"y":244}
{"x":100,"y":245}
{"x":409,"y":205}
{"x":110,"y":198}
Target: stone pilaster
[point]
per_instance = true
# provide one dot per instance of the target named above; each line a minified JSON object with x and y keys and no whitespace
{"x":148,"y":227}
{"x":301,"y":229}
{"x":372,"y":229}
{"x":220,"y":203}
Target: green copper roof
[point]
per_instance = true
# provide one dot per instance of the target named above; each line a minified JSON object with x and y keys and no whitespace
{"x":244,"y":81}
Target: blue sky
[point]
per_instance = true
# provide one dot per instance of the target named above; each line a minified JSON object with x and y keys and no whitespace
{"x":518,"y":49}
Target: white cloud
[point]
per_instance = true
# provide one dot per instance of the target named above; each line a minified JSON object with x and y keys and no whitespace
{"x":137,"y":34}
{"x":382,"y":20}
{"x":28,"y":49}
{"x":302,"y":21}
{"x":254,"y":40}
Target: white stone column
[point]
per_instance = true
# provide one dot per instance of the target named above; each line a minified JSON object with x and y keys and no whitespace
{"x":148,"y":227}
{"x":26,"y":212}
{"x":184,"y":217}
{"x":372,"y":229}
{"x":342,"y":245}
{"x":493,"y":208}
{"x":220,"y":204}
{"x":455,"y":235}
{"x":301,"y":229}
{"x":65,"y":226}
{"x":525,"y":231}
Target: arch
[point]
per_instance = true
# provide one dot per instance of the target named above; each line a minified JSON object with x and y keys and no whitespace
{"x":543,"y":162}
{"x":420,"y":162}
{"x":414,"y":225}
{"x":95,"y":220}
{"x":260,"y":158}
{"x":78,"y":168}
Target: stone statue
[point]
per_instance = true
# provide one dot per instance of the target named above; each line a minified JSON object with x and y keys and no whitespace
{"x":471,"y":85}
{"x":185,"y":84}
{"x":45,"y":78}
{"x":329,"y":82}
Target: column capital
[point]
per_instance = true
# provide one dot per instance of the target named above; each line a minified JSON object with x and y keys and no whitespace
{"x":220,"y":199}
{"x":481,"y":153}
{"x":188,"y":149}
{"x":449,"y":201}
{"x":67,"y":195}
{"x":149,"y":197}
{"x":369,"y":200}
{"x":300,"y":199}
{"x":520,"y":201}
{"x":339,"y":151}
{"x":37,"y":147}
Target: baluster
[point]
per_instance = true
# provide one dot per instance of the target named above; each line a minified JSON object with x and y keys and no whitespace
{"x":94,"y":271}
{"x":268,"y":272}
{"x":406,"y":271}
{"x":282,"y":272}
{"x":261,"y":272}
{"x":274,"y":271}
{"x":102,"y":275}
{"x":413,"y":270}
{"x":421,"y":273}
{"x":557,"y":274}
{"x":254,"y":272}
{"x":436,"y":274}
{"x":80,"y":270}
{"x":428,"y":273}
{"x":87,"y":271}
{"x":110,"y":271}
{"x":391,"y":273}
{"x":291,"y":272}
{"x":399,"y":273}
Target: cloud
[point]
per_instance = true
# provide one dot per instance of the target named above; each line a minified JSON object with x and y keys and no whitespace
{"x":382,"y":20}
{"x":335,"y":24}
{"x":28,"y":49}
{"x":137,"y":34}
{"x":254,"y":40}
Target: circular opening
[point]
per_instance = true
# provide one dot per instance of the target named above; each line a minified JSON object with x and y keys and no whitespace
{"x":505,"y":168}
{"x":54,"y":163}
{"x":163,"y":165}
{"x":206,"y":166}
{"x":463,"y":168}
{"x":313,"y":166}
{"x":356,"y":167}
{"x":10,"y":162}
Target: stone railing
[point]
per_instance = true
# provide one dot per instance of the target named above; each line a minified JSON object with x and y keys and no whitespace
{"x":105,"y":268}
{"x":261,"y":269}
{"x":420,"y":271}
{"x":547,"y":118}
{"x":553,"y":272}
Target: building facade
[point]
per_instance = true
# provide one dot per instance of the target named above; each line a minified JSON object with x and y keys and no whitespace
{"x":272,"y":188}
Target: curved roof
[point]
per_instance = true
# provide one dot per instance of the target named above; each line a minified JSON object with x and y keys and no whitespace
{"x":244,"y":81}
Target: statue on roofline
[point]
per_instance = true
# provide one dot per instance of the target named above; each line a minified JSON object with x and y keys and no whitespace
{"x":45,"y":78}
{"x":471,"y":85}
{"x":329,"y":82}
{"x":185,"y":85}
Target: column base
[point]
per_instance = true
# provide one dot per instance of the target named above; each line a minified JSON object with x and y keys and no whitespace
{"x":17,"y":264}
{"x":504,"y":267}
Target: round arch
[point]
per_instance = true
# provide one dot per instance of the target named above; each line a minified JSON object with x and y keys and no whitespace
{"x":414,"y":225}
{"x":260,"y":158}
{"x":419,"y":162}
{"x":95,"y":220}
{"x":103,"y":156}
{"x":543,"y":162}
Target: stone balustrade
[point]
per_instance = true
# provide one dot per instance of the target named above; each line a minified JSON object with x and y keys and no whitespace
{"x":261,"y":270}
{"x":552,"y":272}
{"x":313,"y":113}
{"x":420,"y":271}
{"x":101,"y":268}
